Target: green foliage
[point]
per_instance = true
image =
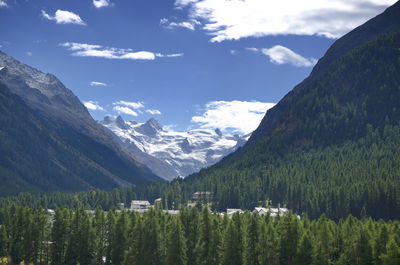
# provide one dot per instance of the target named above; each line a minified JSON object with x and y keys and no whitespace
{"x":392,"y":255}
{"x":130,"y":238}
{"x":176,"y":250}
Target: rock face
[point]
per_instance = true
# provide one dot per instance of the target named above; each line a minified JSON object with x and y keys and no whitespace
{"x":91,"y":157}
{"x":171,"y":154}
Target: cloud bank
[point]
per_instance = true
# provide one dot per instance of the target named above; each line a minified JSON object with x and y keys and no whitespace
{"x":90,"y":50}
{"x":133,"y":108}
{"x":236,"y":19}
{"x":64,"y":17}
{"x":92,"y":105}
{"x":241,"y":117}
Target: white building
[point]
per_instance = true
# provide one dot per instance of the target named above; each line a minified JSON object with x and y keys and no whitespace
{"x":140,"y":205}
{"x":272,"y":211}
{"x":230,"y":212}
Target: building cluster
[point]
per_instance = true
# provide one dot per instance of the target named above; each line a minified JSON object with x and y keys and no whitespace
{"x":261,"y":211}
{"x":142,"y":206}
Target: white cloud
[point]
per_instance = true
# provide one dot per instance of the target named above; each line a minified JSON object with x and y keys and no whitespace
{"x":29,"y":53}
{"x":3,"y":3}
{"x":184,"y":3}
{"x":236,"y":19}
{"x":234,"y":52}
{"x":169,"y":55}
{"x":95,"y":83}
{"x":153,"y":111}
{"x":134,"y":105}
{"x":64,"y":17}
{"x":133,"y":108}
{"x":236,"y":116}
{"x":101,"y":3}
{"x":191,"y":25}
{"x":282,"y":55}
{"x":125,"y":110}
{"x":252,"y":49}
{"x":92,"y":105}
{"x":90,"y":50}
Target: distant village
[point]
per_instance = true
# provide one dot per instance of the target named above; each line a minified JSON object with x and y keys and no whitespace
{"x":142,"y":206}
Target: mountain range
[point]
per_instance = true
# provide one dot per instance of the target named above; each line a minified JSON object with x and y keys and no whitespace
{"x":49,"y":141}
{"x":171,"y":154}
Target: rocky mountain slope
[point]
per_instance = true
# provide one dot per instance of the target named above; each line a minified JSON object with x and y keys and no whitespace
{"x":49,"y":141}
{"x":169,"y":153}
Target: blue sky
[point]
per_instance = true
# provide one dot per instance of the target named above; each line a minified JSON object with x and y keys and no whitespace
{"x":187,"y":63}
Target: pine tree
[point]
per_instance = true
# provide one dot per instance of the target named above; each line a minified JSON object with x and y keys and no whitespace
{"x":39,"y":234}
{"x":322,"y":247}
{"x":79,"y":249}
{"x":289,"y":235}
{"x":216,"y":240}
{"x":380,"y":244}
{"x":232,"y":244}
{"x":203,"y":243}
{"x":3,"y":242}
{"x":392,"y":256}
{"x":250,"y":253}
{"x":99,"y":226}
{"x":364,"y":249}
{"x":59,"y":236}
{"x":176,"y":250}
{"x":110,"y":227}
{"x":305,"y":251}
{"x":268,"y":245}
{"x":134,"y":255}
{"x":120,"y":239}
{"x":151,"y":252}
{"x":190,"y":223}
{"x":17,"y":234}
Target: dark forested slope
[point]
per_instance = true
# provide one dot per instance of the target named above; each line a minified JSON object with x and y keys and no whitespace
{"x":48,"y":141}
{"x":386,"y":22}
{"x":334,"y":148}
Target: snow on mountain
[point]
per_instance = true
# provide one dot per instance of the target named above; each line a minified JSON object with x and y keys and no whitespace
{"x":178,"y":153}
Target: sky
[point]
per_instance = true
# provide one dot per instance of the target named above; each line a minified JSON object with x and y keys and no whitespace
{"x":187,"y":63}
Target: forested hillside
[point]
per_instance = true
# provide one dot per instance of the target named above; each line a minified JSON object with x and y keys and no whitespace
{"x":40,"y":154}
{"x":334,"y":151}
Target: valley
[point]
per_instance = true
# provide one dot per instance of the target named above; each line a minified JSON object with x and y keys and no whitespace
{"x":317,"y":182}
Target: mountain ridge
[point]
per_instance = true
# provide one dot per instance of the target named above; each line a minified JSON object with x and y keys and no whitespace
{"x":382,"y":23}
{"x":172,"y":154}
{"x":75,"y":147}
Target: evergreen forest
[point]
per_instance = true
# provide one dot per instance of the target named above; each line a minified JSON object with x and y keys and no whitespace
{"x":76,"y":236}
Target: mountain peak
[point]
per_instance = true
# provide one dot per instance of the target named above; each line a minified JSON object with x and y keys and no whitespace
{"x":218,"y":132}
{"x":119,"y":121}
{"x":154,"y":123}
{"x":106,"y":120}
{"x":150,"y":127}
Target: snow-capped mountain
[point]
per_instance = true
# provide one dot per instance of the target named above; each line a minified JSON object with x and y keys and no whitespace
{"x":169,"y":153}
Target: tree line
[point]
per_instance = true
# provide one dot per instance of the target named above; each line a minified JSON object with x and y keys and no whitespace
{"x":73,"y":237}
